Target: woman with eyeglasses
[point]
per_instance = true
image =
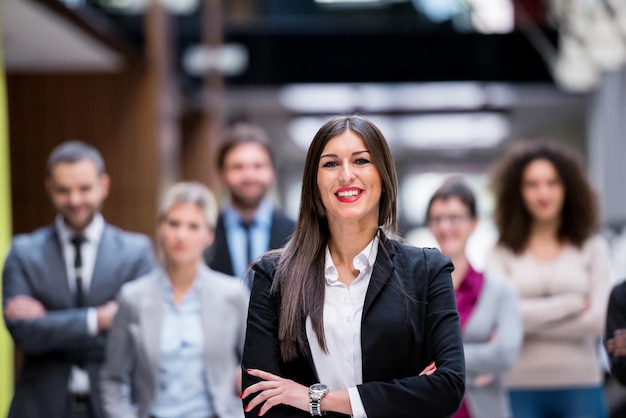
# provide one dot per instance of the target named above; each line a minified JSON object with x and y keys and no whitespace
{"x":488,"y":306}
{"x":547,"y":215}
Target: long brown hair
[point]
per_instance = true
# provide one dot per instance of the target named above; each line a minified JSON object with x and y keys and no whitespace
{"x":300,"y":271}
{"x":579,"y":215}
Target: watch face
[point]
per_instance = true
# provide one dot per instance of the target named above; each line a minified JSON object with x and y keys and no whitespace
{"x":319,"y":388}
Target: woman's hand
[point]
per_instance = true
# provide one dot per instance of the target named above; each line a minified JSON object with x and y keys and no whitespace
{"x":616,"y":346}
{"x":430,"y":369}
{"x":275,"y":390}
{"x":483,"y":380}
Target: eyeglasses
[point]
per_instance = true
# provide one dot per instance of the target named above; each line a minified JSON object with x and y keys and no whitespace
{"x":452,"y":219}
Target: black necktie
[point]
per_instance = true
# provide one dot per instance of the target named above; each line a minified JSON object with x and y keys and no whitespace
{"x":78,"y":241}
{"x":247,"y":225}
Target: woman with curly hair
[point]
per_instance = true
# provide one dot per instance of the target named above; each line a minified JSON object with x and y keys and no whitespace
{"x":547,"y":215}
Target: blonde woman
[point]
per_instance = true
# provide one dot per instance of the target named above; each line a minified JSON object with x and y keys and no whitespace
{"x":175,"y":345}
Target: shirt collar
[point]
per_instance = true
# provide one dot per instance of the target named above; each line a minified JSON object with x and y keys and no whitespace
{"x":92,"y":233}
{"x":167,"y":285}
{"x":363,"y":261}
{"x":262,"y":216}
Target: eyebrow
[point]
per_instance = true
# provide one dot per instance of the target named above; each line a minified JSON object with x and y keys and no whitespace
{"x":336,"y":156}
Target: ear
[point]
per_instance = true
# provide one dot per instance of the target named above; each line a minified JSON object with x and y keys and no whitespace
{"x":105,"y":184}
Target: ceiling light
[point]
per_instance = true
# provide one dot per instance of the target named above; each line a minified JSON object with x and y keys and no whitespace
{"x":449,"y":131}
{"x":440,"y":96}
{"x":493,"y":16}
{"x":230,"y":59}
{"x":377,"y":97}
{"x":440,"y":131}
{"x":318,"y":98}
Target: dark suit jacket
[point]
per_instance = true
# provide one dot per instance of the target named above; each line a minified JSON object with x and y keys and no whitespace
{"x":218,"y":255}
{"x":51,"y":344}
{"x":616,"y":319}
{"x":409,"y":319}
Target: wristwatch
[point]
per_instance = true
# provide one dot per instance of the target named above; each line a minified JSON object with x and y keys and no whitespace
{"x":316,"y":393}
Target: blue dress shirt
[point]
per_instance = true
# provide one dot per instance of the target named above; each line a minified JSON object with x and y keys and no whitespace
{"x":236,"y":235}
{"x":183,"y":390}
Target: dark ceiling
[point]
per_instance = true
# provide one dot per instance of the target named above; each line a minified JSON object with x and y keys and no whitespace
{"x":298,"y":41}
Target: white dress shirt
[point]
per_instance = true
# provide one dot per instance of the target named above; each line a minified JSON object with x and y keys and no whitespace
{"x":79,"y":379}
{"x":342,"y":367}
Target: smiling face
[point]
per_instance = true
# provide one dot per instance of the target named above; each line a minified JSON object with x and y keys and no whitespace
{"x":349,"y":183}
{"x":450,"y":222}
{"x":183,"y":235}
{"x":77,"y":191}
{"x":542,"y":191}
{"x":248,"y":173}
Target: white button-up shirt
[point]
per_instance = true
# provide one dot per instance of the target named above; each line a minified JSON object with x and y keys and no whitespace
{"x":342,"y":367}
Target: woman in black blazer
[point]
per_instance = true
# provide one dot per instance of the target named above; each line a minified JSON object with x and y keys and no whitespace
{"x":347,"y":320}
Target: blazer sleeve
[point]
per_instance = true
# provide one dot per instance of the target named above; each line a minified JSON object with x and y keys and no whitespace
{"x":244,"y":300}
{"x":616,"y":319}
{"x":116,"y":373}
{"x":61,"y":330}
{"x":145,"y":258}
{"x":499,"y":355}
{"x":57,"y":330}
{"x":261,"y":343}
{"x":440,"y":394}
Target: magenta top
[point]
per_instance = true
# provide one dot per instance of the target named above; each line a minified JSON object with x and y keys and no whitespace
{"x":466,"y":297}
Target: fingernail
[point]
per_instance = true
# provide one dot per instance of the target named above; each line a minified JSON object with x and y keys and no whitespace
{"x":248,"y":370}
{"x":241,"y":396}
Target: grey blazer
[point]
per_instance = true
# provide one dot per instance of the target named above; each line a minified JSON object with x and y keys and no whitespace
{"x":35,"y":267}
{"x":130,"y":376}
{"x":497,"y":310}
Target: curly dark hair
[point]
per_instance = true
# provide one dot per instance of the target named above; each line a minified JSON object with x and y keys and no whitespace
{"x":580,"y":213}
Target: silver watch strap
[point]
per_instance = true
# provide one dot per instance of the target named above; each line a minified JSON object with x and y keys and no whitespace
{"x":315,"y":407}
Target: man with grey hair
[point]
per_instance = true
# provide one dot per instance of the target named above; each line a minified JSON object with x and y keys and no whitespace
{"x":59,"y":288}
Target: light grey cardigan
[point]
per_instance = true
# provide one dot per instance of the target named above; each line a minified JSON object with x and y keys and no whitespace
{"x":497,"y":313}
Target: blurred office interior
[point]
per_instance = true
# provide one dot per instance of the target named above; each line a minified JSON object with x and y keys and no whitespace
{"x":450,"y":83}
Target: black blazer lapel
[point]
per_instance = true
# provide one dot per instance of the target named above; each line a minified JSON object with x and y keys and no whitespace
{"x":218,"y":255}
{"x":107,"y":256}
{"x":54,"y":263}
{"x":383,"y":270}
{"x":281,"y":230}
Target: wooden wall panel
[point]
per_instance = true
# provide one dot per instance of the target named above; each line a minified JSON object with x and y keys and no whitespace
{"x":114,"y":112}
